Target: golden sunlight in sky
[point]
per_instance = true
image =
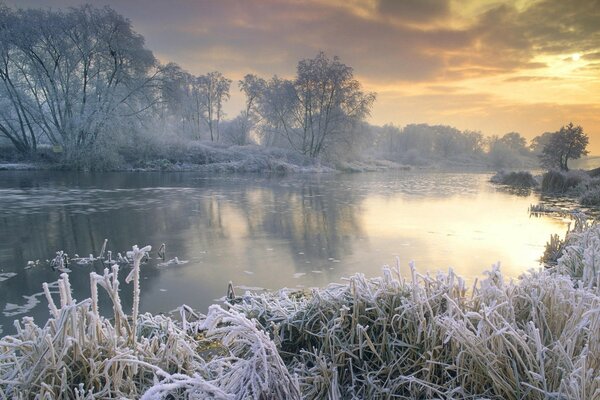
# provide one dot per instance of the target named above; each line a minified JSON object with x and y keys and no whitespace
{"x":493,"y":66}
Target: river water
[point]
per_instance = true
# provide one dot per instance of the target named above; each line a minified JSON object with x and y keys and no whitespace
{"x":256,"y":231}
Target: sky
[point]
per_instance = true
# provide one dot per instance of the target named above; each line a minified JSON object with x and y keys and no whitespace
{"x":489,"y":66}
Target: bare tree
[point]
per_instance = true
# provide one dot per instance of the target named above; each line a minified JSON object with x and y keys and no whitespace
{"x":210,"y":92}
{"x":253,"y":87}
{"x":177,"y":100}
{"x":319,"y":107}
{"x":66,"y":75}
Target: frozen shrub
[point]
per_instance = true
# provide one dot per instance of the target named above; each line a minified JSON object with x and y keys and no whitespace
{"x":431,"y":337}
{"x":591,"y":197}
{"x":561,"y":182}
{"x":522,"y":179}
{"x":422,"y":337}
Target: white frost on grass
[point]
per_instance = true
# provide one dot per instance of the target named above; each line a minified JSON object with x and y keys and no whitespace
{"x":581,"y":256}
{"x":423,"y":337}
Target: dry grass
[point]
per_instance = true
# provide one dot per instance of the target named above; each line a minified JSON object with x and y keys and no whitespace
{"x":389,"y":337}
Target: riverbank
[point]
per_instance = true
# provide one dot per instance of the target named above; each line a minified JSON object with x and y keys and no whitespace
{"x":420,"y":337}
{"x":160,"y":154}
{"x":582,"y":185}
{"x":197,"y":157}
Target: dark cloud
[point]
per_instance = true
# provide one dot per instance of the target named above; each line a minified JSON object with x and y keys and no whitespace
{"x":592,"y":56}
{"x":270,"y":36}
{"x":414,"y":10}
{"x":561,"y":26}
{"x":545,"y":27}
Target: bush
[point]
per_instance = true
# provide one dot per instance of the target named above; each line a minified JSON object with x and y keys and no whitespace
{"x":522,"y":179}
{"x":591,"y":197}
{"x":559,"y":182}
{"x":414,"y":157}
{"x":100,"y":157}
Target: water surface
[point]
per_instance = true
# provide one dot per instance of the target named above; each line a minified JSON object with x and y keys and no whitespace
{"x":267,"y":232}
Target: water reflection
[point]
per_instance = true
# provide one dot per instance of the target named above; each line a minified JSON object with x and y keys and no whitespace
{"x":257,"y":231}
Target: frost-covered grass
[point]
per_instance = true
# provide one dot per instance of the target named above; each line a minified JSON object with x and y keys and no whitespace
{"x":389,"y":337}
{"x":178,"y":155}
{"x":591,"y":197}
{"x":581,"y":184}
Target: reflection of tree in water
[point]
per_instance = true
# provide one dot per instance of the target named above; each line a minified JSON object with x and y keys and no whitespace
{"x":317,"y":218}
{"x":515,"y":191}
{"x":310,"y":217}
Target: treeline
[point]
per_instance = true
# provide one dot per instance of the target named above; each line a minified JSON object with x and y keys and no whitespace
{"x":82,"y":82}
{"x":79,"y":87}
{"x":313,"y":114}
{"x":423,"y":144}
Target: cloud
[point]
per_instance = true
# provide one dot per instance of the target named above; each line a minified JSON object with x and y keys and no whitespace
{"x":388,"y":39}
{"x":592,"y":56}
{"x":444,"y":89}
{"x":414,"y":10}
{"x":527,"y":78}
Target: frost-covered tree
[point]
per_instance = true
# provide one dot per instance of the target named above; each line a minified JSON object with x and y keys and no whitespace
{"x":318,"y":108}
{"x":210,"y":92}
{"x":66,"y":75}
{"x":423,"y":143}
{"x":275,"y":107}
{"x":569,"y":142}
{"x":537,"y":143}
{"x":515,"y":142}
{"x":253,"y":87}
{"x":176,"y":86}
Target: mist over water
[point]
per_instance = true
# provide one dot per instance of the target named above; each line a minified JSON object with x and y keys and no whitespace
{"x":259,"y":232}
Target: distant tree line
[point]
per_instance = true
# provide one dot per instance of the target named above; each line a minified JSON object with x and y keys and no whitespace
{"x":422,"y":144}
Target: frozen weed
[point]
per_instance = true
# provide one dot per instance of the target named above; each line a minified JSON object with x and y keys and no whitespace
{"x":388,"y":337}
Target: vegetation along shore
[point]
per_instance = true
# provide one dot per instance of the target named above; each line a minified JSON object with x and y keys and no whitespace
{"x":386,"y":337}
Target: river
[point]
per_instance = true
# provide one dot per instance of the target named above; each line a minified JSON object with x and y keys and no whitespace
{"x":256,"y":231}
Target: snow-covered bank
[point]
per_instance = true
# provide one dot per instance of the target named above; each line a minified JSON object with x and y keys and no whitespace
{"x":421,"y":337}
{"x":178,"y":156}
